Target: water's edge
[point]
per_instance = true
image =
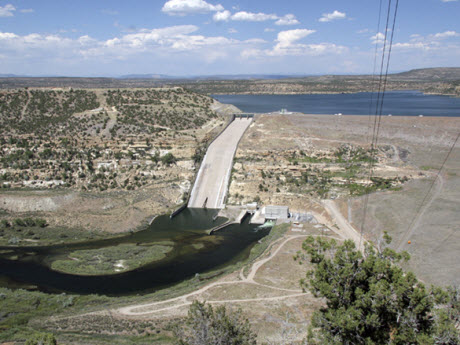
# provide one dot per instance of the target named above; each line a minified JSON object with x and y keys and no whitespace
{"x":194,"y":251}
{"x":397,"y":103}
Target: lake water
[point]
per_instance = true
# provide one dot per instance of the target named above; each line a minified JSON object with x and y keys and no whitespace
{"x":187,"y":231}
{"x":409,"y":103}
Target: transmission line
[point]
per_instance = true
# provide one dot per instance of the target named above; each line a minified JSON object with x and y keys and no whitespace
{"x":379,"y":104}
{"x":419,"y":209}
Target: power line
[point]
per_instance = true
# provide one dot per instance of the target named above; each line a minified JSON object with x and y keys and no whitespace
{"x":379,"y":104}
{"x":407,"y":232}
{"x":373,"y":71}
{"x":386,"y":72}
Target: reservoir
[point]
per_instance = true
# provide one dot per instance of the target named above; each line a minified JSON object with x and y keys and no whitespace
{"x":405,"y":103}
{"x":193,"y":252}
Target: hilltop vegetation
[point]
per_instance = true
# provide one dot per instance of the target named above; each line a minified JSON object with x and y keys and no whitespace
{"x":93,"y":138}
{"x":43,"y":112}
{"x":79,"y":112}
{"x":142,"y":110}
{"x":445,"y":81}
{"x":321,"y":85}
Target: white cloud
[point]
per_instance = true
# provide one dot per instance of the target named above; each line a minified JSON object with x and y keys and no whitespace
{"x":433,"y":42}
{"x":232,"y":31}
{"x":287,"y":38}
{"x":222,"y":16}
{"x":7,"y":10}
{"x":449,"y":0}
{"x":184,"y":7}
{"x":27,"y":10}
{"x":446,"y":34}
{"x":377,"y":38}
{"x":269,"y":30}
{"x":288,"y":19}
{"x":7,"y":35}
{"x":327,"y":17}
{"x":35,"y":44}
{"x":225,"y":16}
{"x":162,"y":42}
{"x":253,"y":17}
{"x":411,"y":45}
{"x":176,"y":37}
{"x":287,"y":44}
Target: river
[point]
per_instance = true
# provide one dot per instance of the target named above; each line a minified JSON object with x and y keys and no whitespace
{"x":31,"y":265}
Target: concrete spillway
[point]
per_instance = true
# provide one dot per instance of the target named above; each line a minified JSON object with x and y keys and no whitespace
{"x":212,"y":180}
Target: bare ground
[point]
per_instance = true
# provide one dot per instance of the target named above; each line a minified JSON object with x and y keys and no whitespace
{"x":417,"y":146}
{"x":423,"y":144}
{"x":269,"y":295}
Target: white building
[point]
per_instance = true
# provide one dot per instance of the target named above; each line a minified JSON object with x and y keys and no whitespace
{"x":276,"y":212}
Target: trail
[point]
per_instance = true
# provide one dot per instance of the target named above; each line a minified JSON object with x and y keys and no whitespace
{"x":343,"y":224}
{"x":113,"y":117}
{"x":182,"y":301}
{"x":187,"y":299}
{"x":25,"y":106}
{"x":439,"y":182}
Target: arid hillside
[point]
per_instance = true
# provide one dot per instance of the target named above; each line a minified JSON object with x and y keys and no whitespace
{"x":110,"y":158}
{"x":302,"y":160}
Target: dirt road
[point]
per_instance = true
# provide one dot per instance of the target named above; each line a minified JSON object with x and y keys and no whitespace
{"x":185,"y":300}
{"x":348,"y":231}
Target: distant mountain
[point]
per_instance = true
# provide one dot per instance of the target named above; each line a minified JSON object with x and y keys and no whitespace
{"x":148,"y":76}
{"x":430,"y":74}
{"x":210,"y":77}
{"x":445,"y":80}
{"x":422,"y":74}
{"x":246,"y":76}
{"x":12,"y":76}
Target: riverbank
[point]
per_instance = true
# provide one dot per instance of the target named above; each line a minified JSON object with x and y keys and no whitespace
{"x":19,"y":305}
{"x":455,"y":95}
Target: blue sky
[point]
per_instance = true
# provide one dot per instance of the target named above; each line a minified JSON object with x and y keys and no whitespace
{"x":205,"y":37}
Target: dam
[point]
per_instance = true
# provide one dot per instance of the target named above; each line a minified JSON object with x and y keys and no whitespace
{"x":211,"y":184}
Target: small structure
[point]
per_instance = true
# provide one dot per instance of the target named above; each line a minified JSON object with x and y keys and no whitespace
{"x":257,"y":218}
{"x":276,"y":212}
{"x":243,"y":115}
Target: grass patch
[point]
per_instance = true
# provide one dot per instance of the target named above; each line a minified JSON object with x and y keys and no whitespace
{"x":37,"y":236}
{"x":107,"y":260}
{"x":19,"y":307}
{"x":119,"y":339}
{"x":259,"y":248}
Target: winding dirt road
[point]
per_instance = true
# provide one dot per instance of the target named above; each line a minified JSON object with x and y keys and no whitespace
{"x":185,"y":300}
{"x":348,"y":231}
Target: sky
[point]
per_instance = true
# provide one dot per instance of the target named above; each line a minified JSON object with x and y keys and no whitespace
{"x":217,"y":37}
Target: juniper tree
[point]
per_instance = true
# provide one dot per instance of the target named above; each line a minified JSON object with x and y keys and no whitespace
{"x":371,"y":300}
{"x":208,"y":326}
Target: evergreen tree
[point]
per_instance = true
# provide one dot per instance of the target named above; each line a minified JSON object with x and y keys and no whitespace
{"x":207,"y":326}
{"x":371,"y":300}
